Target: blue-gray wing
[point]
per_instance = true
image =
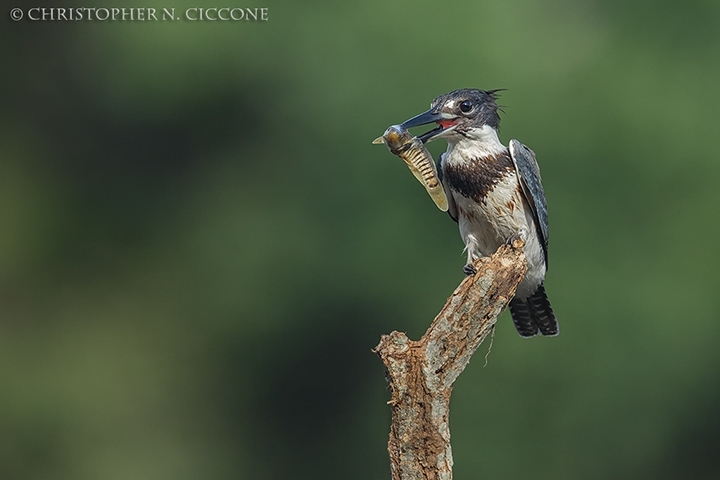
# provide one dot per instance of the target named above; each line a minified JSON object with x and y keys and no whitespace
{"x":452,"y":207}
{"x":529,"y":174}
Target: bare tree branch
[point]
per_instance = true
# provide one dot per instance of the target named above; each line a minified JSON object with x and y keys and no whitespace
{"x":421,"y":374}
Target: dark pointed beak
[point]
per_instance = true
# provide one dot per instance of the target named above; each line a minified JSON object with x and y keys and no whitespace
{"x":422,"y":119}
{"x":425,"y":118}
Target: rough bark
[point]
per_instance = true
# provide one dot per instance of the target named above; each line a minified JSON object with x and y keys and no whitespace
{"x":421,"y":373}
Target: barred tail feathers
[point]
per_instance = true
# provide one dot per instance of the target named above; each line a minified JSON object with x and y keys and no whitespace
{"x":533,"y":315}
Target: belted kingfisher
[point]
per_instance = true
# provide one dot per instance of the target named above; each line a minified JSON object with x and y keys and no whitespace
{"x":494,"y":194}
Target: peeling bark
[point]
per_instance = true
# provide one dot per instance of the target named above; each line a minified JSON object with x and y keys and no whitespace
{"x":421,"y":373}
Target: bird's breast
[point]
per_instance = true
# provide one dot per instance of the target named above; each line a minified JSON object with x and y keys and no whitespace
{"x":489,"y":201}
{"x":496,"y":215}
{"x":475,"y":178}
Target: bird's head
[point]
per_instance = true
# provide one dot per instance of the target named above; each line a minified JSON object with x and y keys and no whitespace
{"x":459,"y":114}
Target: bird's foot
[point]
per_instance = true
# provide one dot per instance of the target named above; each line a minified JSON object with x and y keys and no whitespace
{"x":514,"y":240}
{"x":469,"y":269}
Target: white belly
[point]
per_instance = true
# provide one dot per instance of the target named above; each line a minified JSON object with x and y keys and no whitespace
{"x":485,"y":226}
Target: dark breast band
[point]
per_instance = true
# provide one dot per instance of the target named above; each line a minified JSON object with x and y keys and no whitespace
{"x":478,"y":177}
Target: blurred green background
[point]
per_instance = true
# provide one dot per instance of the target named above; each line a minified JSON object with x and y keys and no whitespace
{"x":199,"y":246}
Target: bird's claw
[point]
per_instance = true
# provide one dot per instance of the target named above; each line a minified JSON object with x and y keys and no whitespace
{"x":469,"y":269}
{"x":511,"y":239}
{"x":514,"y":240}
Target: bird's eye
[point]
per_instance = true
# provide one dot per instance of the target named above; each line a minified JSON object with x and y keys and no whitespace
{"x":466,"y":106}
